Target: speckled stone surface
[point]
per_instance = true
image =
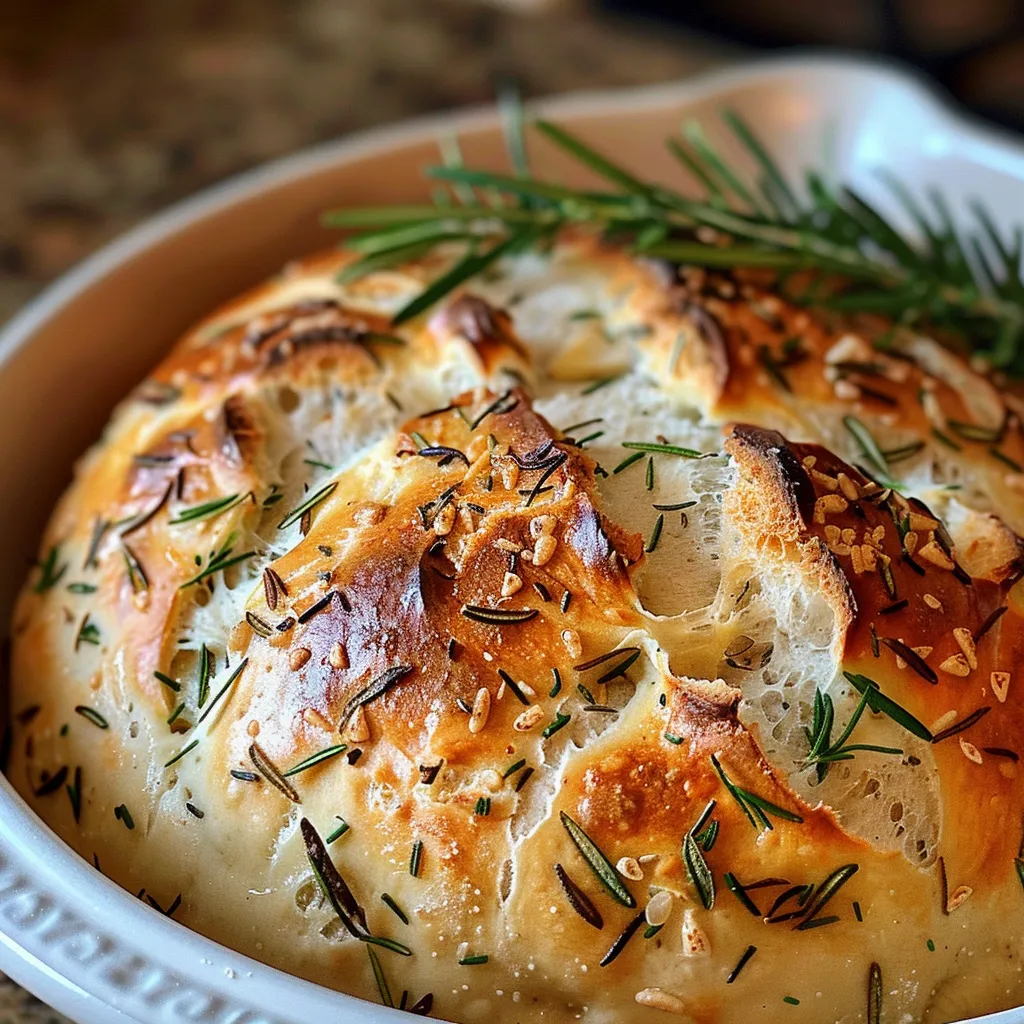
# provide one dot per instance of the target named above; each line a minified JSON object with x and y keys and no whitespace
{"x":18,"y":1007}
{"x":111,"y":110}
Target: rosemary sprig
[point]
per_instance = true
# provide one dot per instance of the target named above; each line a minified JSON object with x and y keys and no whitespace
{"x":969,"y":283}
{"x":823,"y":749}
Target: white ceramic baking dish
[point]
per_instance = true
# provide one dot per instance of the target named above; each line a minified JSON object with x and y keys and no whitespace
{"x":68,"y":934}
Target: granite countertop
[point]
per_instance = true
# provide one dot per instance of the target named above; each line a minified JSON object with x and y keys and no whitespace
{"x":111,"y":109}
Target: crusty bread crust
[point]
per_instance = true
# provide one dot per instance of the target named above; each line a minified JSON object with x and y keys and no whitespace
{"x":474,"y":613}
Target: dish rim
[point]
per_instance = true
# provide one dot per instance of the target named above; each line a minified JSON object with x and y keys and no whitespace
{"x":65,"y":892}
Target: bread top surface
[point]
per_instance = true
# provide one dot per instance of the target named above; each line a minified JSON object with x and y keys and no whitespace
{"x":519,"y":611}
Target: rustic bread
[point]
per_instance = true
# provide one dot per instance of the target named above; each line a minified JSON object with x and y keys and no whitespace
{"x":575,"y":567}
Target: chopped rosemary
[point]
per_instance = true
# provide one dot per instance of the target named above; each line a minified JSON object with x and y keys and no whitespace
{"x":74,"y":792}
{"x":826,"y":891}
{"x":52,"y":783}
{"x":652,"y":543}
{"x":308,"y":505}
{"x":755,"y":807}
{"x":171,"y":684}
{"x":602,"y":658}
{"x":965,"y":723}
{"x":91,"y":715}
{"x":602,"y":382}
{"x":740,"y":892}
{"x":49,"y":572}
{"x":272,"y":773}
{"x":393,"y":944}
{"x":912,"y":658}
{"x":514,"y":687}
{"x":82,"y":588}
{"x":377,"y":688}
{"x":205,"y":669}
{"x":513,"y":768}
{"x":378,"y":974}
{"x":217,"y":562}
{"x":473,"y":961}
{"x":629,"y":460}
{"x":556,"y":683}
{"x":560,"y":721}
{"x":603,"y":869}
{"x":209,"y":509}
{"x":416,"y":858}
{"x":696,"y":866}
{"x":223,"y":690}
{"x":663,"y":449}
{"x":88,"y":633}
{"x":974,"y":432}
{"x":332,"y":884}
{"x":316,"y":607}
{"x":578,"y":899}
{"x":181,"y":753}
{"x":868,"y":445}
{"x":482,"y":807}
{"x":677,"y":507}
{"x":393,"y":906}
{"x":122,"y":814}
{"x":735,"y":972}
{"x":879,"y":702}
{"x":498,"y":616}
{"x":258,"y":625}
{"x":875,"y":994}
{"x":314,"y":759}
{"x":342,"y":827}
{"x":621,"y":942}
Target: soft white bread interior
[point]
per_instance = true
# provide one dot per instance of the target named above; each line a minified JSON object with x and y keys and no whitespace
{"x":472,"y":622}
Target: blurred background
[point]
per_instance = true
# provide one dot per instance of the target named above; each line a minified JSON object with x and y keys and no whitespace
{"x":111,"y":109}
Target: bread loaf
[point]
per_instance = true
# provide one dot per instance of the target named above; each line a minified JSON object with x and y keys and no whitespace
{"x":604,"y":644}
